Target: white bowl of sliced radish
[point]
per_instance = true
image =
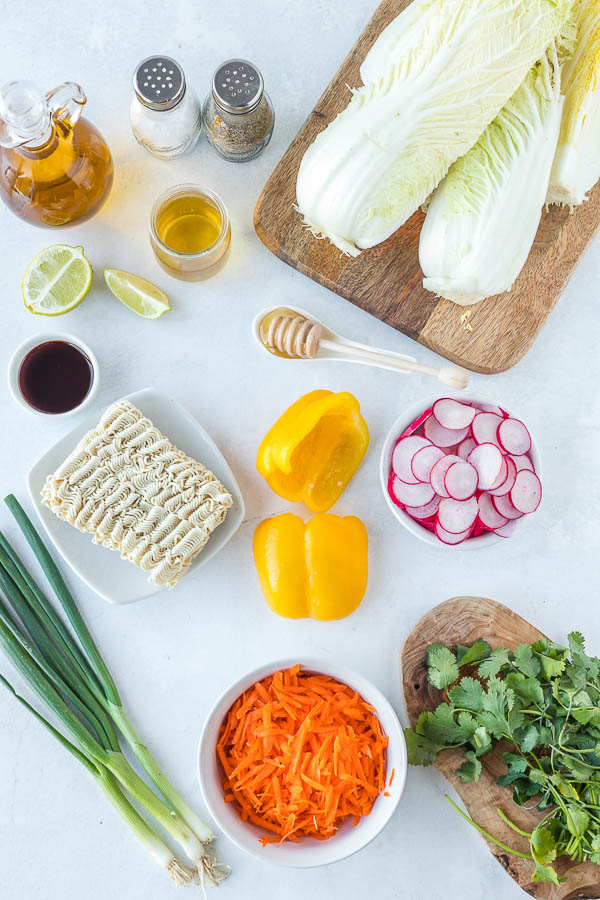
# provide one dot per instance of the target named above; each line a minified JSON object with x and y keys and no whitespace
{"x":460,"y":474}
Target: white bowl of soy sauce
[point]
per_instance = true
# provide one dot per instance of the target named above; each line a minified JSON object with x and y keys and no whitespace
{"x":53,"y":375}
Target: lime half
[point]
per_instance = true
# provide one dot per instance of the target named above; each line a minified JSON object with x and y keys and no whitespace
{"x":57,"y":280}
{"x":138,"y":294}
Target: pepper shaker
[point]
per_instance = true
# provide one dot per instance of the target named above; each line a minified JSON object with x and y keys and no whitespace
{"x":238,"y":113}
{"x":166,"y":117}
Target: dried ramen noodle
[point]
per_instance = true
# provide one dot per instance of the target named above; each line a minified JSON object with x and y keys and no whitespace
{"x":129,"y":487}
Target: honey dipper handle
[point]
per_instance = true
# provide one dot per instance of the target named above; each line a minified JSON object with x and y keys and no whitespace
{"x":453,"y":376}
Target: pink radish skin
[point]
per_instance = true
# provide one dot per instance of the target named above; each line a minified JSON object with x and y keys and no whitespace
{"x":424,"y":512}
{"x":457,"y":516}
{"x":424,"y":460}
{"x":513,"y":437}
{"x":438,"y":473}
{"x":465,"y":447}
{"x":414,"y":426}
{"x":412,"y":494}
{"x":461,"y":480}
{"x":492,"y":408}
{"x":506,"y":508}
{"x":487,"y":459}
{"x":402,"y":456}
{"x":522,"y":462}
{"x":451,"y":539}
{"x":526,"y":493}
{"x":489,"y":515}
{"x":485,"y":428}
{"x":511,"y":474}
{"x":443,"y":437}
{"x":452,"y":414}
{"x":506,"y":531}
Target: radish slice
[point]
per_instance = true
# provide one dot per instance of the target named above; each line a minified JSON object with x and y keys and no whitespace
{"x":412,"y":494}
{"x":506,"y":508}
{"x":402,"y":456}
{"x":526,"y":493}
{"x":438,"y":473}
{"x":522,"y":462}
{"x":485,"y":428}
{"x":492,"y":408}
{"x":465,"y":447}
{"x":507,"y":530}
{"x":447,"y":538}
{"x":424,"y":512}
{"x":461,"y":480}
{"x":457,"y":516}
{"x":501,"y":477}
{"x":452,"y":414}
{"x":514,"y":437}
{"x":511,"y":474}
{"x":424,"y":460}
{"x":487,"y":460}
{"x":443,"y":437}
{"x":489,"y":515}
{"x":414,"y":426}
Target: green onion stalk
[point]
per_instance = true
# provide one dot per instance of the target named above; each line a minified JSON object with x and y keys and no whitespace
{"x":72,"y":679}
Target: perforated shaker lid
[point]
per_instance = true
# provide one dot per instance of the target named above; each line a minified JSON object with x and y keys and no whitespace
{"x":237,"y":86}
{"x":159,"y":82}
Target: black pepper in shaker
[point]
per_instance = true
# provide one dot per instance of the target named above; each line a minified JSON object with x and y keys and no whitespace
{"x":238,"y":113}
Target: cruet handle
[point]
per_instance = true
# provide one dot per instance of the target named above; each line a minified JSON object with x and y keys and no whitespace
{"x":65,"y":102}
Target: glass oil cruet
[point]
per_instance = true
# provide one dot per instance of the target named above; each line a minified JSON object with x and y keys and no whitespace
{"x":55,"y":167}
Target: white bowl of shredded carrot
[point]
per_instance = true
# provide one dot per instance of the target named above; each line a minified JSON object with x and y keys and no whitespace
{"x":302,"y":763}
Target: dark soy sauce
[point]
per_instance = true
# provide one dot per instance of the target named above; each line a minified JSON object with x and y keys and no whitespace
{"x":55,"y":377}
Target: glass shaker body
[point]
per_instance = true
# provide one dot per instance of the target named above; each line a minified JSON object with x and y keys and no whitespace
{"x":238,"y":112}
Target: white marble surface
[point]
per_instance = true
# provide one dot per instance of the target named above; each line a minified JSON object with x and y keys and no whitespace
{"x":174,"y":653}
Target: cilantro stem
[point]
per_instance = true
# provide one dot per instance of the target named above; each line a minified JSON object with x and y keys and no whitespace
{"x":507,"y":821}
{"x":486,"y":834}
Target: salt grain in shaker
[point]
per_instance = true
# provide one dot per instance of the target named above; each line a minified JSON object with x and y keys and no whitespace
{"x":238,"y":114}
{"x":166,"y":117}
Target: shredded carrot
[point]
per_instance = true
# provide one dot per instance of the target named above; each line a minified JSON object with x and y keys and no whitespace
{"x":391,"y":777}
{"x":300,"y":753}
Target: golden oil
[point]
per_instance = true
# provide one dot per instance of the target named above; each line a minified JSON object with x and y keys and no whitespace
{"x":190,"y":232}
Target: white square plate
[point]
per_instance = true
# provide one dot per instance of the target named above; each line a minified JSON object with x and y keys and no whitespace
{"x":116,"y":580}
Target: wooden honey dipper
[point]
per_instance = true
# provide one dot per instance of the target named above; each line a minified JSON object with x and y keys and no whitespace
{"x":295,"y":334}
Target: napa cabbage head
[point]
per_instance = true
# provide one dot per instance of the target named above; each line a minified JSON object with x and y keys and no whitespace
{"x":576,"y":167}
{"x":375,"y":164}
{"x":482,"y":219}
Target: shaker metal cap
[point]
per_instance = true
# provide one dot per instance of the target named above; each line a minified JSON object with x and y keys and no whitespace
{"x":237,"y":86}
{"x":159,"y":82}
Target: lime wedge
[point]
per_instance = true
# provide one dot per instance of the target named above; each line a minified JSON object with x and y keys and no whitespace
{"x":138,"y":294}
{"x":57,"y":280}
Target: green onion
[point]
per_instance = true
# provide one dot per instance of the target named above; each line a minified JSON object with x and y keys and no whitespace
{"x":72,"y":679}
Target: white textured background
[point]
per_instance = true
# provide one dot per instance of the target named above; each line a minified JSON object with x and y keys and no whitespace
{"x":172,"y":655}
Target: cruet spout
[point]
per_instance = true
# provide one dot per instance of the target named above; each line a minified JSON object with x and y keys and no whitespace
{"x":66,"y":102}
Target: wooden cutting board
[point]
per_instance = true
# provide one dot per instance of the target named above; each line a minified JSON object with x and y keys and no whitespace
{"x":463,"y":620}
{"x":386,"y":280}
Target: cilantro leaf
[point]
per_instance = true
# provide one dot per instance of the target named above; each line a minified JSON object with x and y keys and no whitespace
{"x":545,"y":874}
{"x":525,"y":661}
{"x":587,"y":716}
{"x":442,"y":727}
{"x":543,"y":845}
{"x":482,"y":740}
{"x":527,"y":688}
{"x":529,"y":739}
{"x":420,"y":749}
{"x":443,"y":669}
{"x":578,"y":820}
{"x":497,"y":701}
{"x":490,"y":667}
{"x":468,"y":694}
{"x":467,"y":656}
{"x":470,"y":769}
{"x":515,"y":763}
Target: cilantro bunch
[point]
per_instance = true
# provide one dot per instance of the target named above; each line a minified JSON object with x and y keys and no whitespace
{"x":543,"y":702}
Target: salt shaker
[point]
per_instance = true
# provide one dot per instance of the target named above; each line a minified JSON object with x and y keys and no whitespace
{"x":166,"y":116}
{"x":238,"y":113}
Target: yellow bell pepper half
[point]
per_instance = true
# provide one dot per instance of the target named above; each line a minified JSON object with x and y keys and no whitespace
{"x":313,"y":450}
{"x":318,"y":570}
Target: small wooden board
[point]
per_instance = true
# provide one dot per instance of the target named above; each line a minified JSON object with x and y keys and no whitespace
{"x":463,"y":620}
{"x":386,"y":280}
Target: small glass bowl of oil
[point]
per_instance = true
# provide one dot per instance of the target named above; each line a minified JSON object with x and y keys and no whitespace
{"x":190,"y":232}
